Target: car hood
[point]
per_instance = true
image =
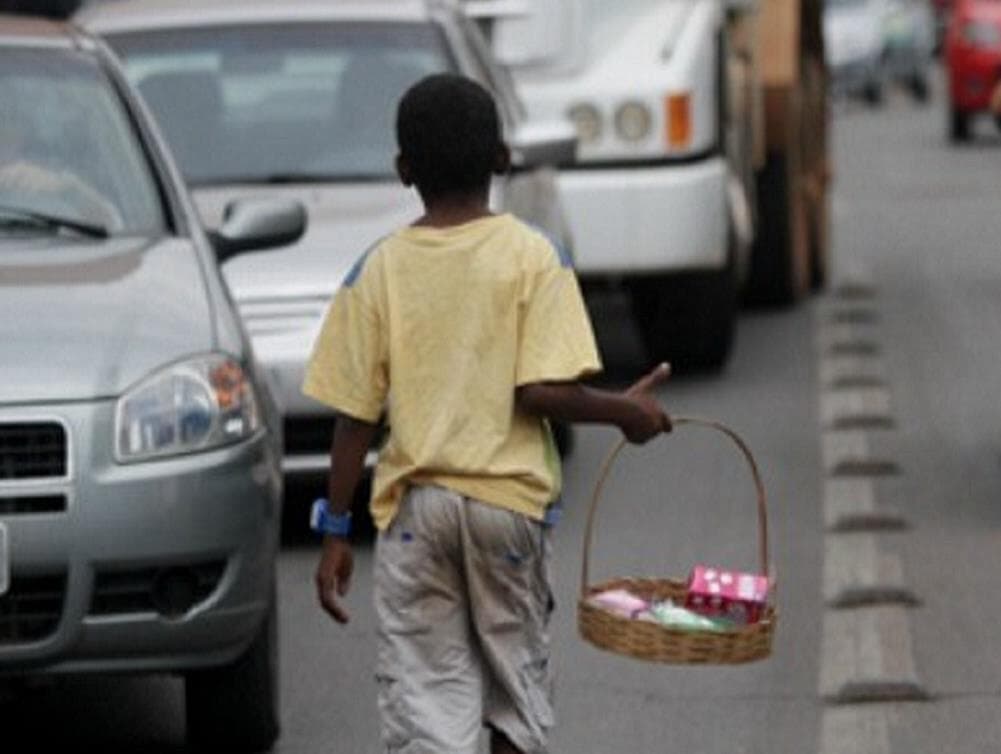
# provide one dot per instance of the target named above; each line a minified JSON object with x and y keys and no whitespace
{"x":82,"y":320}
{"x":344,"y":221}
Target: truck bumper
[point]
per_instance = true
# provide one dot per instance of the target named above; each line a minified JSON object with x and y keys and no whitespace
{"x":648,"y":220}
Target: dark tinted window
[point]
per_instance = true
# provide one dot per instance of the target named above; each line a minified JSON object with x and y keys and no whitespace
{"x":257,"y":103}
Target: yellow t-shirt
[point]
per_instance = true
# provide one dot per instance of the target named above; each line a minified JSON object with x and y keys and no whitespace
{"x":437,"y":326}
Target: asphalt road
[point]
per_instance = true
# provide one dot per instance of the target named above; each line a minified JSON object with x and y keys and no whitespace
{"x":919,"y":222}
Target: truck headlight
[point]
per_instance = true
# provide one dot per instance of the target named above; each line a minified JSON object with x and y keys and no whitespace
{"x":633,"y":121}
{"x":193,"y":405}
{"x":587,"y":121}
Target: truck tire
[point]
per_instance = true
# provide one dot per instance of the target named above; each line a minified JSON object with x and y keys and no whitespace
{"x":687,"y":319}
{"x":779,"y":274}
{"x":235,"y":707}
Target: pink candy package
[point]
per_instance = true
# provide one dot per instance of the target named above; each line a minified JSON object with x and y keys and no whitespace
{"x":740,"y":597}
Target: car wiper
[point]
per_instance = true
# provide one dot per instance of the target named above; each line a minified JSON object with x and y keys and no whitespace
{"x":54,"y":222}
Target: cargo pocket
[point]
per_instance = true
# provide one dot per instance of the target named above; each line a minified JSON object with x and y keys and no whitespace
{"x":395,"y":727}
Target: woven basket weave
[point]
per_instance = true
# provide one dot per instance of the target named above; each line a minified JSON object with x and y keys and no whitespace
{"x":645,"y":640}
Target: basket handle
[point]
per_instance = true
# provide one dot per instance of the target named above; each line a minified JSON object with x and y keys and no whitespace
{"x":606,"y":467}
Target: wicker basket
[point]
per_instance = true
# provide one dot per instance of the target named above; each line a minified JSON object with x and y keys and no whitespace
{"x":645,"y":640}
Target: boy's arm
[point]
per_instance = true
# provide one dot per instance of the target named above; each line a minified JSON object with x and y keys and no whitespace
{"x":636,"y":411}
{"x":352,"y":439}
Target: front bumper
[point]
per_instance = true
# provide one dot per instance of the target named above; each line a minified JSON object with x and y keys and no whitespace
{"x":974,"y":79}
{"x":647,"y":219}
{"x":100,"y":560}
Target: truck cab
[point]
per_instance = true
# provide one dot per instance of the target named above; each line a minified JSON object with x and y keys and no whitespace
{"x":657,"y":199}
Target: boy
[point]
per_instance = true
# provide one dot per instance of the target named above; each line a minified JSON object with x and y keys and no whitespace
{"x":469,"y":328}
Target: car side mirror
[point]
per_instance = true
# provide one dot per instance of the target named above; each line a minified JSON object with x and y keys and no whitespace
{"x":545,"y":143}
{"x":257,"y":224}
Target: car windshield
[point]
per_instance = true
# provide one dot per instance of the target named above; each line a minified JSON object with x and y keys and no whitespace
{"x":286,"y":103}
{"x":844,"y":3}
{"x":69,"y":157}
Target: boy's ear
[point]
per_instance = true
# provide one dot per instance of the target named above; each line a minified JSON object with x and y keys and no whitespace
{"x":403,"y":171}
{"x":502,"y":162}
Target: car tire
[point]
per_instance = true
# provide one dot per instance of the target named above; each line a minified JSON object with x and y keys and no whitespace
{"x":997,"y":121}
{"x":919,"y":87}
{"x":872,"y":92}
{"x":235,"y":707}
{"x":687,"y":319}
{"x":959,"y":126}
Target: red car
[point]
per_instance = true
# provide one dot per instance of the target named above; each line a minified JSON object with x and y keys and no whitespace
{"x":973,"y":60}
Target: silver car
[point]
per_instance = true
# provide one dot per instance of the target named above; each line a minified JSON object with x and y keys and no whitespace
{"x":299,"y":99}
{"x":140,"y":482}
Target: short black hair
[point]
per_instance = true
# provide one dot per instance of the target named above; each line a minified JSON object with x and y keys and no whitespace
{"x":449,"y":133}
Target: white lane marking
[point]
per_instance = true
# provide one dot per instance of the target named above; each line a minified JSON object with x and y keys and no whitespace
{"x":849,"y":452}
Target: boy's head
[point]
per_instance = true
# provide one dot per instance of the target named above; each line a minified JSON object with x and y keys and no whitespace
{"x":449,"y":135}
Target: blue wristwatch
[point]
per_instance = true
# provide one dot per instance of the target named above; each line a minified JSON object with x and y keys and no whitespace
{"x":322,"y":521}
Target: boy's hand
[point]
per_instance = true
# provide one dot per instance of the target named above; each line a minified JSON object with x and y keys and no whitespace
{"x":333,"y":576}
{"x":650,"y":419}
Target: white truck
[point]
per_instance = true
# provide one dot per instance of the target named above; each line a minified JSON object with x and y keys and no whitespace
{"x":701,"y":174}
{"x":655,"y":201}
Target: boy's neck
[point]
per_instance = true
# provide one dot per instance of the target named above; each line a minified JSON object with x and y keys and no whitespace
{"x":446,"y":211}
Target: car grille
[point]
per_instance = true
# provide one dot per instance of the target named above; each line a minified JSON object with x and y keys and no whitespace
{"x":26,"y":504}
{"x":136,"y":591}
{"x":307,"y":435}
{"x":277,"y":316}
{"x":32,"y":450}
{"x":31,"y":608}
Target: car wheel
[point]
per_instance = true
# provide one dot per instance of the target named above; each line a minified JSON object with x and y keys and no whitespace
{"x":872,"y":92}
{"x":959,"y":126}
{"x":997,"y":121}
{"x":919,"y":87}
{"x":688,"y":319}
{"x":235,"y":707}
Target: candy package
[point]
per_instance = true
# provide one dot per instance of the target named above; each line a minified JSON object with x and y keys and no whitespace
{"x":715,"y":592}
{"x":621,"y":602}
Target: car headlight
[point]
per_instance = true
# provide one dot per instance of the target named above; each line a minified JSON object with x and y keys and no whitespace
{"x":633,"y":121}
{"x":193,"y":405}
{"x":587,"y":121}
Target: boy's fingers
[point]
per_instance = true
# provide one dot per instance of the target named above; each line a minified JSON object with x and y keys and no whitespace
{"x":654,"y":378}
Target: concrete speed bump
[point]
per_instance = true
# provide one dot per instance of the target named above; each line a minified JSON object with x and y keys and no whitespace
{"x":851,"y":372}
{"x":849,"y":454}
{"x":866,"y":656}
{"x":850,"y":505}
{"x":858,"y":573}
{"x":862,"y":408}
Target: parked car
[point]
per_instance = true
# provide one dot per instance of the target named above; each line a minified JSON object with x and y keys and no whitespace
{"x":140,"y":483}
{"x":973,"y":62}
{"x":299,"y":98}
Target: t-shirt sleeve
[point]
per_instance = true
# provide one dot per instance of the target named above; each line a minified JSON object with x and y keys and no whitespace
{"x":349,"y":369}
{"x":556,"y":340}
